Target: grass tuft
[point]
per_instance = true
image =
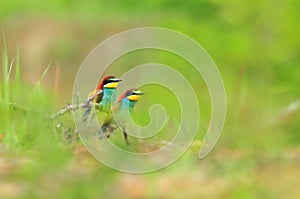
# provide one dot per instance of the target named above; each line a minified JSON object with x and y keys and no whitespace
{"x":23,"y":127}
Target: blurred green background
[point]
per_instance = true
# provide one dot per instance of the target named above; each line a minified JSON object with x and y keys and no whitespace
{"x":256,"y":46}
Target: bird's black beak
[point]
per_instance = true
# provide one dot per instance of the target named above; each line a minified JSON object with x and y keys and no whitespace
{"x":138,"y":92}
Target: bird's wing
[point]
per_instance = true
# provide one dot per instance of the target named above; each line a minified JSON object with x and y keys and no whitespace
{"x":98,"y":96}
{"x":95,"y":96}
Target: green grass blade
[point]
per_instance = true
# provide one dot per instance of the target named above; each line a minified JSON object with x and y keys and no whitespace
{"x":17,"y":71}
{"x":43,"y":75}
{"x":10,"y":69}
{"x":5,"y":92}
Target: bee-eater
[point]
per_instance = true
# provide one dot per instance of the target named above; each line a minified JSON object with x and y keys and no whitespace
{"x":125,"y":102}
{"x":102,"y":95}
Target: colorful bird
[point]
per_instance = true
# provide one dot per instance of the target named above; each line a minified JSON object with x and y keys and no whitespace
{"x":102,"y":95}
{"x":125,"y":102}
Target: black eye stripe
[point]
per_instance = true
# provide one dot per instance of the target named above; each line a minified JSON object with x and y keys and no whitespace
{"x":134,"y":93}
{"x":109,"y":81}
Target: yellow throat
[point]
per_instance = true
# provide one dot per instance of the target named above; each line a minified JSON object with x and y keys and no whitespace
{"x":111,"y":85}
{"x":134,"y":97}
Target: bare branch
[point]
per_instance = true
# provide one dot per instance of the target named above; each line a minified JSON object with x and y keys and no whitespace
{"x":68,"y":108}
{"x":73,"y":107}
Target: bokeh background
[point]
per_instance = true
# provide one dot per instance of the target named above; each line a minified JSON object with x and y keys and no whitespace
{"x":256,"y":46}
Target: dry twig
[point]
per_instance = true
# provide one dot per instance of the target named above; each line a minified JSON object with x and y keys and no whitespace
{"x":72,"y":107}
